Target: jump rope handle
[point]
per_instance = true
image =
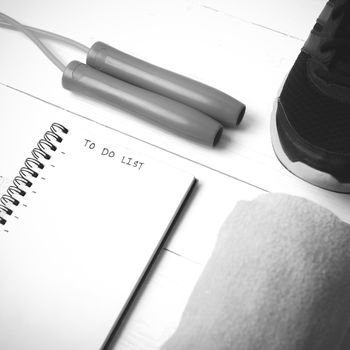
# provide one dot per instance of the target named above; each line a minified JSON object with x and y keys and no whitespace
{"x":173,"y":101}
{"x":220,"y":106}
{"x":168,"y":113}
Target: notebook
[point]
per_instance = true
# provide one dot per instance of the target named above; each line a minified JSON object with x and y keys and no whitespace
{"x":80,"y":226}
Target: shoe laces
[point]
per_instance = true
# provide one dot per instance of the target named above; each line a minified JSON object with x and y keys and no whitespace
{"x":338,"y":70}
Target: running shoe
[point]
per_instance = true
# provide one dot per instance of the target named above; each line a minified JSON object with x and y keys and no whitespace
{"x":310,"y":126}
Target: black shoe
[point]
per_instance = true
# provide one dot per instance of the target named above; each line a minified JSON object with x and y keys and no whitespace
{"x":310,"y":127}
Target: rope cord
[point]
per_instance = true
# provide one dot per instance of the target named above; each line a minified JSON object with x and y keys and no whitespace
{"x":47,"y":34}
{"x":32,"y":33}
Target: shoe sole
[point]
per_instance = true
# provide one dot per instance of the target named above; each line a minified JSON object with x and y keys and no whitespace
{"x":302,"y":170}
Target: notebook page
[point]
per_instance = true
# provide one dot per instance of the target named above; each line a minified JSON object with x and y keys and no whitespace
{"x":75,"y":247}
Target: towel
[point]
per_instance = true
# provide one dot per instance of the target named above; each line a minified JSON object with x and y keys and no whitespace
{"x":278,"y":279}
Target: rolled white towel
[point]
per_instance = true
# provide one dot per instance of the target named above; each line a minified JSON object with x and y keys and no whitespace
{"x":278,"y":279}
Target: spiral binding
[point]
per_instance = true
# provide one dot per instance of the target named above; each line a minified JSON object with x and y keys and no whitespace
{"x":31,"y":169}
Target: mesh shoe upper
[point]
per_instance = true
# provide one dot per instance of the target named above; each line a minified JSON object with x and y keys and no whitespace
{"x":319,"y":119}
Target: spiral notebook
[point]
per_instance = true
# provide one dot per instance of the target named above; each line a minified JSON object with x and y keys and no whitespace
{"x":80,"y":225}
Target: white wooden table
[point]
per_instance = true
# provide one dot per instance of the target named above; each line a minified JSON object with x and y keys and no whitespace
{"x":244,"y":48}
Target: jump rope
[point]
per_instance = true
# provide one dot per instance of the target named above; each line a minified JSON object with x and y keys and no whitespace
{"x":173,"y":101}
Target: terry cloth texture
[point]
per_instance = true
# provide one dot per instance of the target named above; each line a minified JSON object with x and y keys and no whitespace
{"x":278,"y":279}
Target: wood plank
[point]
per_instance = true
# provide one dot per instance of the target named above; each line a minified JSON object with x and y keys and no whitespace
{"x":291,"y":18}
